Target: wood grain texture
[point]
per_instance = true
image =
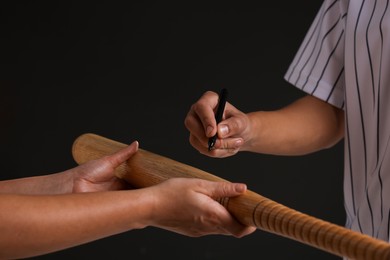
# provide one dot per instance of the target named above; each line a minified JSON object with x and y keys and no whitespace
{"x":145,"y":168}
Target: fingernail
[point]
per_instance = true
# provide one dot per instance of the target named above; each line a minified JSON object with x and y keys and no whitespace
{"x":224,"y":129}
{"x":240,"y":188}
{"x":238,"y":143}
{"x":209,"y":129}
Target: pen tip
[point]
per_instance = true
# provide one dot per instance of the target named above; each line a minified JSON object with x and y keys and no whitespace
{"x":211,"y":144}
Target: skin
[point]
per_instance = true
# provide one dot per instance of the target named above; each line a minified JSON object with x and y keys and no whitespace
{"x":304,"y":126}
{"x":88,"y":202}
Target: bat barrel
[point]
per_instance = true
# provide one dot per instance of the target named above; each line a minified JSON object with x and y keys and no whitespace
{"x":145,"y":168}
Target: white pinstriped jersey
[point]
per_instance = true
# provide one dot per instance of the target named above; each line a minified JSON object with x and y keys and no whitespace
{"x":345,"y":60}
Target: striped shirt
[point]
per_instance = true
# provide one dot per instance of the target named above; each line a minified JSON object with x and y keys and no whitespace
{"x":345,"y":60}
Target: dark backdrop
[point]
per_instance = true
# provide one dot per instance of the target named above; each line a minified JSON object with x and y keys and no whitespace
{"x":131,"y":71}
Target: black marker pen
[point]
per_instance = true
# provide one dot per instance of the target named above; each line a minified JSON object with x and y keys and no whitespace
{"x":218,"y":115}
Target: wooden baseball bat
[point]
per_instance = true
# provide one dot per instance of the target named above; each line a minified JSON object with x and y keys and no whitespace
{"x":145,"y":168}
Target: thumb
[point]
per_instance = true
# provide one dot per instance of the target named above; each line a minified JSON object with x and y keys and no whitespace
{"x":123,"y":155}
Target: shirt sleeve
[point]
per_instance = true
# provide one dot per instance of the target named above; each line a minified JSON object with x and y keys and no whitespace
{"x":318,"y":66}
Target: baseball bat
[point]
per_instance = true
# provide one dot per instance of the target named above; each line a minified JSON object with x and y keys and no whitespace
{"x":145,"y":168}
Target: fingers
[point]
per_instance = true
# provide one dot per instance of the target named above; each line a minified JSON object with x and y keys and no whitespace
{"x":236,"y":123}
{"x":232,"y":131}
{"x":200,"y":120}
{"x":228,"y":222}
{"x":235,"y":228}
{"x":199,"y":136}
{"x":225,"y":189}
{"x":196,"y":207}
{"x":238,"y":230}
{"x":222,"y":148}
{"x":123,"y":155}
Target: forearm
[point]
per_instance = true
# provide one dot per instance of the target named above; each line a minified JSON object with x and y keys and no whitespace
{"x":58,"y":183}
{"x":35,"y":225}
{"x":305,"y":126}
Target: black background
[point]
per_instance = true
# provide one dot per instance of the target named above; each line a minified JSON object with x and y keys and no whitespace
{"x":131,"y":71}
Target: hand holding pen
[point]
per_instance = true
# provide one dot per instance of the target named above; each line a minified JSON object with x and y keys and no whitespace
{"x":203,"y":118}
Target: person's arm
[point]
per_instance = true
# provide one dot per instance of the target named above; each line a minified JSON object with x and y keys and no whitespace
{"x":307,"y":125}
{"x":38,"y":224}
{"x":95,"y":176}
{"x":57,"y":183}
{"x":32,"y":224}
